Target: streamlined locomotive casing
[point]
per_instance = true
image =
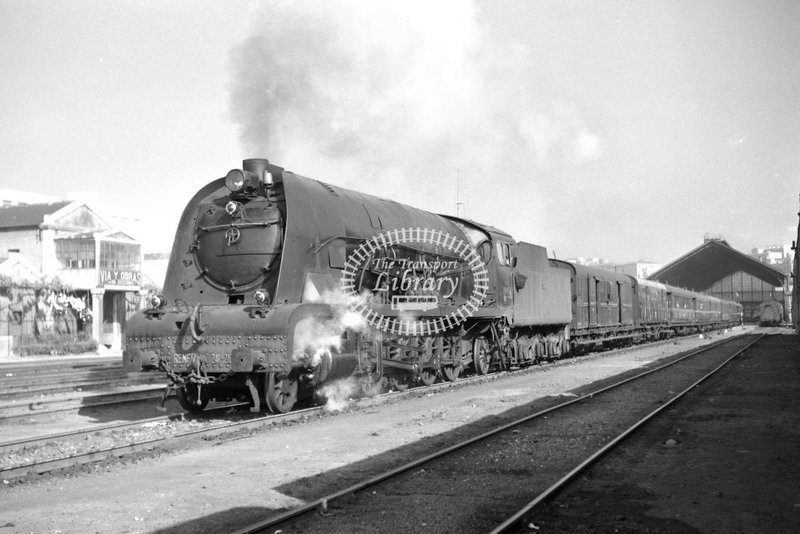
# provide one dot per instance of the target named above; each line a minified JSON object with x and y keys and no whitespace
{"x":293,"y":244}
{"x":247,"y":269}
{"x":326,"y":223}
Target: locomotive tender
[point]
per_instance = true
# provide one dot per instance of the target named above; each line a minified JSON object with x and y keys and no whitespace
{"x":269,"y":269}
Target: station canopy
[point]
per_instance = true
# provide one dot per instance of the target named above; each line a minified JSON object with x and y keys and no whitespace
{"x":712,"y":261}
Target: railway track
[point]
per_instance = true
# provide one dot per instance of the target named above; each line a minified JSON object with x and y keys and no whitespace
{"x":50,"y":386}
{"x":32,"y":407}
{"x":66,"y":454}
{"x":67,"y":457}
{"x":517,"y":521}
{"x":34,"y":388}
{"x":60,"y":442}
{"x":22,"y":381}
{"x":62,"y":453}
{"x":497,"y":477}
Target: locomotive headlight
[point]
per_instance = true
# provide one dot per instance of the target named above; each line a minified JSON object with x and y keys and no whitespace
{"x":233,"y":208}
{"x":235,"y":180}
{"x":158,"y":301}
{"x":262,"y":297}
{"x":243,"y":182}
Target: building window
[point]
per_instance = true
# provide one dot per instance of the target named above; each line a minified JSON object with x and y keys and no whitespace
{"x":75,"y":253}
{"x":120,"y":256}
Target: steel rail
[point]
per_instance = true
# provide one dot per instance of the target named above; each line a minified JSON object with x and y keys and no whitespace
{"x":49,"y":406}
{"x":514,"y":520}
{"x":33,"y":386}
{"x":322,"y":503}
{"x":92,"y":456}
{"x":32,"y":363}
{"x":83,"y":458}
{"x":89,"y":457}
{"x":121,"y":450}
{"x":7,"y":446}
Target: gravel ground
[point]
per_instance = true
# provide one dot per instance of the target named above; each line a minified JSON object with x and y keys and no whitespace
{"x":725,"y":460}
{"x":477,"y":488}
{"x":218,"y":485}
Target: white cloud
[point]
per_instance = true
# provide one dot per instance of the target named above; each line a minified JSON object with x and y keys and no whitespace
{"x":559,"y":135}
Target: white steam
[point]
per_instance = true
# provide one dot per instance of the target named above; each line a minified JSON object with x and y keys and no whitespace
{"x":316,"y":339}
{"x":339,"y":393}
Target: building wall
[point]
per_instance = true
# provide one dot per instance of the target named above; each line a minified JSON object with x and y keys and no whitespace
{"x":26,"y":241}
{"x":111,"y":284}
{"x":50,"y":263}
{"x":748,"y":290}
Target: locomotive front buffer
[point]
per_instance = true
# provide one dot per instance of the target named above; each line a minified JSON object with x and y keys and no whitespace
{"x":222,"y":351}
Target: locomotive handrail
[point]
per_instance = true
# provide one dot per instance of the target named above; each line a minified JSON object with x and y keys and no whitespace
{"x":194,"y":328}
{"x":420,"y":251}
{"x":334,"y":238}
{"x":395,"y":245}
{"x":239,"y":225}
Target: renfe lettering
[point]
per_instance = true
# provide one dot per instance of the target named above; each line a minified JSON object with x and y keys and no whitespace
{"x":212,"y":359}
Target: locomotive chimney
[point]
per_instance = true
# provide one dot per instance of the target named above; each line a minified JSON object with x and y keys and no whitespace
{"x":258,"y":166}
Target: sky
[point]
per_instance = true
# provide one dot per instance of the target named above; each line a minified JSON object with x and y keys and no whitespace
{"x":623,"y":130}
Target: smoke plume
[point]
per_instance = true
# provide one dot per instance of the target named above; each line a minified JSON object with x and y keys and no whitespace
{"x":392,"y":97}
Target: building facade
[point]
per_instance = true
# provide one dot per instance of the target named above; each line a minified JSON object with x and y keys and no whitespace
{"x":717,"y":269}
{"x":69,"y":242}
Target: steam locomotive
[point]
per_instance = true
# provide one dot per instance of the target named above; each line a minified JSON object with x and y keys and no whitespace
{"x":279,"y":284}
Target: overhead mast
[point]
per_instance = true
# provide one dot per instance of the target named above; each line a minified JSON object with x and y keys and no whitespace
{"x":459,"y":200}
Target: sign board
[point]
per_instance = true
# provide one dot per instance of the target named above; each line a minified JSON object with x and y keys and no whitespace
{"x":111,"y":277}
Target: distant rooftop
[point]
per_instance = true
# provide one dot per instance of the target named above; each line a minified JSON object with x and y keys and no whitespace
{"x":28,"y":215}
{"x":710,"y":262}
